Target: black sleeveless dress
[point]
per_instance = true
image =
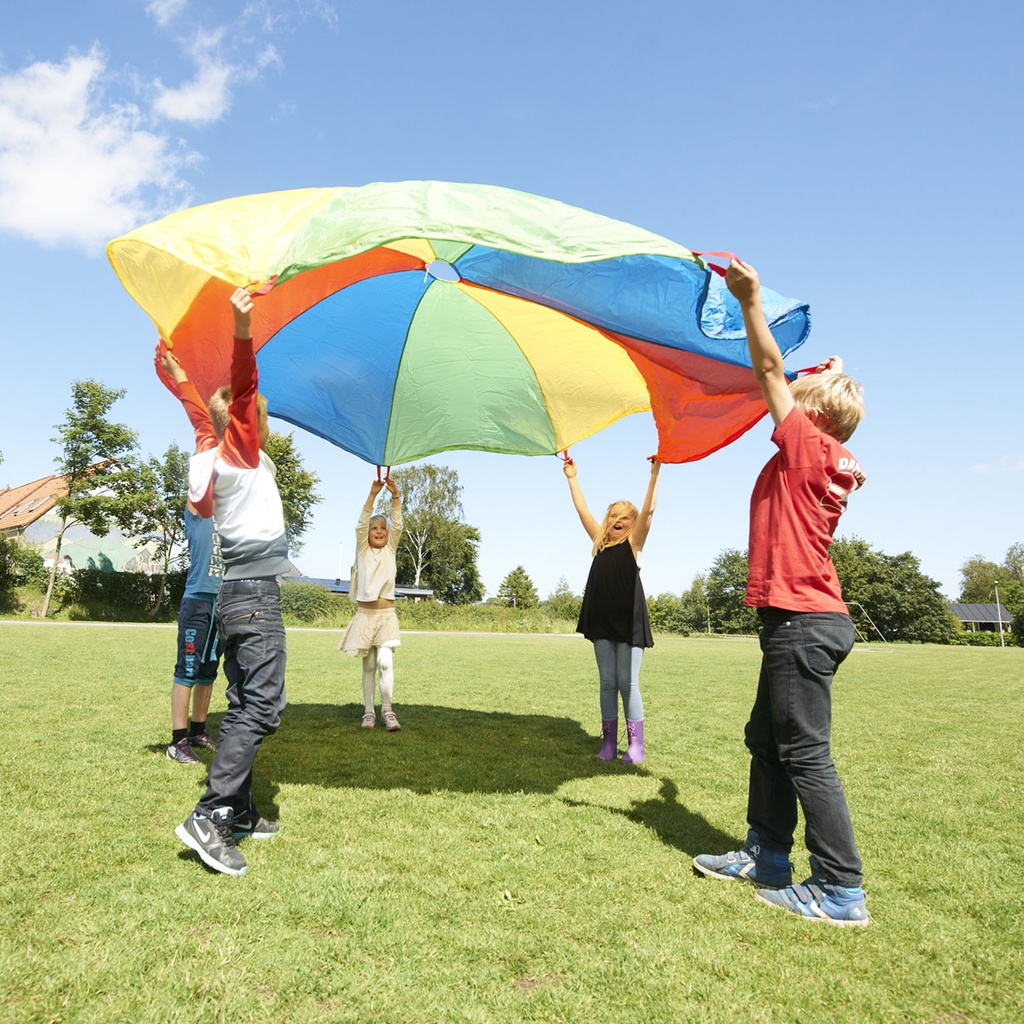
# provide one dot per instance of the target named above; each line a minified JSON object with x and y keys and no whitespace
{"x":614,"y":606}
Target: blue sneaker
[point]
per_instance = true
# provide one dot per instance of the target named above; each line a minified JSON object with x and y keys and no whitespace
{"x":821,"y":901}
{"x":754,"y":863}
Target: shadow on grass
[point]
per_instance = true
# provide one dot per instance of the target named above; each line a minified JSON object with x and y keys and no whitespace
{"x":438,"y":749}
{"x":445,"y":749}
{"x":673,"y":823}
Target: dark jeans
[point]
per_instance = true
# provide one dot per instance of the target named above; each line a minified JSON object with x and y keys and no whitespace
{"x":252,"y":631}
{"x":789,"y":738}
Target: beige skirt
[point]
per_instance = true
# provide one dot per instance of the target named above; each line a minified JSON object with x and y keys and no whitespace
{"x":370,"y":627}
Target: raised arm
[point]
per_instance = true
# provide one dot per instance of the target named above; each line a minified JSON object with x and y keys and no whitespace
{"x":195,"y":408}
{"x":638,"y":535}
{"x":375,"y":488}
{"x":241,"y":445}
{"x":765,"y":357}
{"x":397,"y":523}
{"x":590,"y":524}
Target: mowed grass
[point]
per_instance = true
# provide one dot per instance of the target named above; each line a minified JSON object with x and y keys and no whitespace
{"x":480,"y":865}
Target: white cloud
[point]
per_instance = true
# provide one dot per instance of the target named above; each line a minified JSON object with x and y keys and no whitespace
{"x":207,"y":97}
{"x":1004,"y":464}
{"x":165,"y":11}
{"x":75,"y":168}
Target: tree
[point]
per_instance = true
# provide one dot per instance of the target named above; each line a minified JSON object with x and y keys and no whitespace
{"x":696,"y":611}
{"x":438,"y":549}
{"x":453,"y":572}
{"x":901,"y":601}
{"x":666,"y":614}
{"x":978,"y":579}
{"x":96,"y":464}
{"x":563,"y":603}
{"x":296,"y":485}
{"x":156,"y":508}
{"x":726,"y":588}
{"x":517,"y":590}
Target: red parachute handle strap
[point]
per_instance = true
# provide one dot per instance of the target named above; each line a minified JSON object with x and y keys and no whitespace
{"x":564,"y":456}
{"x":720,"y":271}
{"x":387,"y":473}
{"x":265,"y":288}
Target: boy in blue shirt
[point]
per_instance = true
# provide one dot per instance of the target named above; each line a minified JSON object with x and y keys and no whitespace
{"x":198,"y":643}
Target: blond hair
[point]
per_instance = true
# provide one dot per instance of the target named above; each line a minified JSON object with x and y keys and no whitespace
{"x":835,"y":400}
{"x":220,"y":415}
{"x":616,"y":510}
{"x":378,"y":519}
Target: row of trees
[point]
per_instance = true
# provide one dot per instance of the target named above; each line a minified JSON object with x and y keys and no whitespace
{"x":109,"y":483}
{"x":888,"y":595}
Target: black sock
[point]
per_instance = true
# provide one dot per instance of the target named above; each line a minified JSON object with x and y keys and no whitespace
{"x":177,"y":735}
{"x":197,"y":727}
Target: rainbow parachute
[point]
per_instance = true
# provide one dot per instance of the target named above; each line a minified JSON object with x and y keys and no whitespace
{"x":398,"y":320}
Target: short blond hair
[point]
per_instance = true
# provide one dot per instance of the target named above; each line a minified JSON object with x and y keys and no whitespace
{"x":220,"y":415}
{"x":835,"y":400}
{"x":616,"y":510}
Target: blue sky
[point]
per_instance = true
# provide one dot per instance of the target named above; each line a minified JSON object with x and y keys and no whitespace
{"x":864,"y":157}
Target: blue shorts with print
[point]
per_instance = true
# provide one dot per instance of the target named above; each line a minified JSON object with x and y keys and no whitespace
{"x":199,"y":646}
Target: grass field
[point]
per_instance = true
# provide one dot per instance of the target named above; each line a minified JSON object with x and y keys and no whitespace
{"x":480,"y":865}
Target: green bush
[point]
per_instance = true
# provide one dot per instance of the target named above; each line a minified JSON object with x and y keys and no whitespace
{"x":668,"y":615}
{"x":309,"y":602}
{"x":967,"y":638}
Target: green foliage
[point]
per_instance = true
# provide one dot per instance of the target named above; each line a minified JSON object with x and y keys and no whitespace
{"x":308,"y":602}
{"x":563,"y":603}
{"x":155,"y":509}
{"x":891,"y":592}
{"x":438,"y":550}
{"x":726,"y":589}
{"x":517,"y":590}
{"x":480,"y":618}
{"x":296,"y":485}
{"x":978,"y":580}
{"x":20,"y":565}
{"x":97,"y":464}
{"x":696,"y":611}
{"x":452,"y":571}
{"x":969,"y":638}
{"x":668,"y":615}
{"x":981,"y":580}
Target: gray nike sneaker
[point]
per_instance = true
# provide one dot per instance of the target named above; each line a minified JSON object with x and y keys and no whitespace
{"x":213,"y":839}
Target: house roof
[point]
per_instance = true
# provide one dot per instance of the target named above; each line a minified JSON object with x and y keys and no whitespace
{"x":981,"y":612}
{"x":23,"y":505}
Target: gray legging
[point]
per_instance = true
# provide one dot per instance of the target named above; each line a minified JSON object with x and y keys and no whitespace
{"x":618,"y":666}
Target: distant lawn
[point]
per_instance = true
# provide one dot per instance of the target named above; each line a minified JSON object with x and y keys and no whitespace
{"x":480,"y":865}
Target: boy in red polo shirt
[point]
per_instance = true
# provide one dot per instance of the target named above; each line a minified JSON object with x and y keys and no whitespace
{"x":806,"y":632}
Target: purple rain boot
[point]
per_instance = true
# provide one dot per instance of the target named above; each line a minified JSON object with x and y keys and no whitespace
{"x":635,"y":751}
{"x":610,"y":735}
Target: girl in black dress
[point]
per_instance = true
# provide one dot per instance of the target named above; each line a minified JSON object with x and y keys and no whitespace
{"x":614,"y":614}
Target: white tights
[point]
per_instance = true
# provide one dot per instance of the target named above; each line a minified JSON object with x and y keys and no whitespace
{"x":382,"y":658}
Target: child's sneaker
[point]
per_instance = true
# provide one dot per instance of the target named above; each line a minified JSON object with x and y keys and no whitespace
{"x":182,"y":752}
{"x":213,"y":839}
{"x":390,"y":721}
{"x":204,"y":741}
{"x":369,"y":720}
{"x":756,"y":864}
{"x":252,"y":825}
{"x":833,"y":904}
